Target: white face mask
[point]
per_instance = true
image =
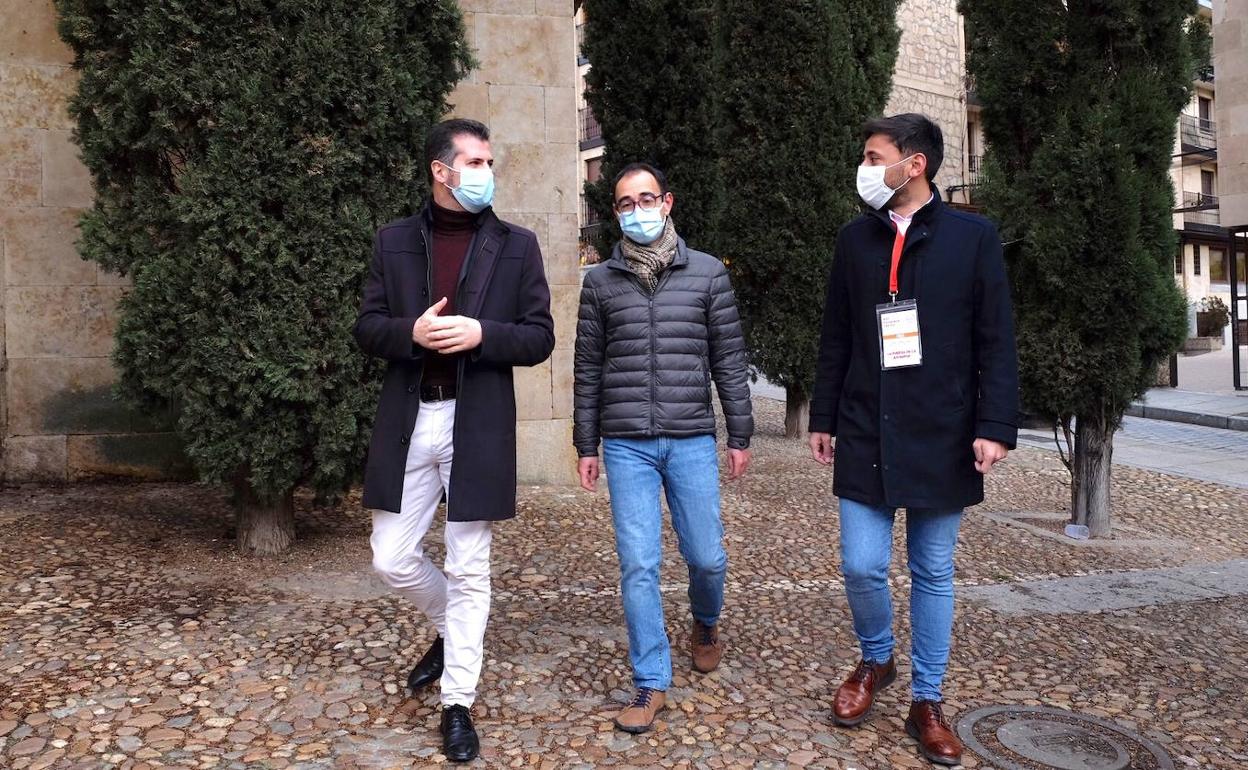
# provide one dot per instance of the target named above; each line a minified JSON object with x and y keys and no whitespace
{"x":872,"y":187}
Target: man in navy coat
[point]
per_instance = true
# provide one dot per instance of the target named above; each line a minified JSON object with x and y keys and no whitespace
{"x":916,"y":398}
{"x":454,"y":299}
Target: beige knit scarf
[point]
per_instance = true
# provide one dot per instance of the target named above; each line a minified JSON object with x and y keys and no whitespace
{"x":649,"y":262}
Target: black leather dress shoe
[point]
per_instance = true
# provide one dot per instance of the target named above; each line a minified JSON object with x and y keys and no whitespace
{"x":459,"y":737}
{"x":428,"y":668}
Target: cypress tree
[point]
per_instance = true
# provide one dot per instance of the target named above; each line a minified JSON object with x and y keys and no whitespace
{"x":798,"y":81}
{"x":651,"y":85}
{"x":1080,"y":105}
{"x":242,"y":154}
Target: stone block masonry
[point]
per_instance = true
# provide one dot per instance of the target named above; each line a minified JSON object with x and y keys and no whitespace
{"x":930,"y":77}
{"x":59,"y":420}
{"x":524,"y":91}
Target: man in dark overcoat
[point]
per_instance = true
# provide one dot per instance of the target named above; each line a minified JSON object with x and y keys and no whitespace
{"x":917,"y":384}
{"x":454,"y":299}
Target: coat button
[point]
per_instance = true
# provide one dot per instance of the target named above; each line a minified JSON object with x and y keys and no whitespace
{"x":885,"y":418}
{"x":424,"y":292}
{"x":411,"y":388}
{"x":403,"y":440}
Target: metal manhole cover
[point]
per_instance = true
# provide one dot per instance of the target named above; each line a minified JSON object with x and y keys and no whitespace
{"x":1039,"y":738}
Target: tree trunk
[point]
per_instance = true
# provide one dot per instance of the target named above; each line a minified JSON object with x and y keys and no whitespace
{"x":1094,"y":450}
{"x":263,"y":527}
{"x":796,"y":413}
{"x":1078,"y":490}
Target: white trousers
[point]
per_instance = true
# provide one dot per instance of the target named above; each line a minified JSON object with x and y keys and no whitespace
{"x":457,"y":602}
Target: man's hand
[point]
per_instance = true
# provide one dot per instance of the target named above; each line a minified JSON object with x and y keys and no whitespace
{"x":822,"y":448}
{"x":420,"y":331}
{"x":454,"y":334}
{"x":988,"y":453}
{"x":587,"y":468}
{"x":738,"y":461}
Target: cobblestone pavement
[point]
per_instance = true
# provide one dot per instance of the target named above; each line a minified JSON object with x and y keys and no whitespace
{"x":132,"y":635}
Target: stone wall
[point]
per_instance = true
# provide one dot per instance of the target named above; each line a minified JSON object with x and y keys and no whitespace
{"x":1230,"y":63}
{"x":930,"y":77}
{"x":525,"y":91}
{"x":58,"y":419}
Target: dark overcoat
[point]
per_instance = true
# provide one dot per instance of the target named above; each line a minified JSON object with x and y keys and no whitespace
{"x":503,"y":285}
{"x":904,"y":437}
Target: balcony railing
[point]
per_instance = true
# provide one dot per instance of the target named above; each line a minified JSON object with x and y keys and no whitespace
{"x":975,"y":164}
{"x":591,"y":132}
{"x":587,"y":244}
{"x":589,"y":215}
{"x":1200,"y":211}
{"x":1198,"y":133}
{"x":1194,"y":201}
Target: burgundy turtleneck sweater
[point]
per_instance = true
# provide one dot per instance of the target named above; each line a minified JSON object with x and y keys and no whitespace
{"x":452,"y":234}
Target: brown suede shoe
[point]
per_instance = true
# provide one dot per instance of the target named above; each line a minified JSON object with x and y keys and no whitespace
{"x":927,"y":725}
{"x":706,"y":647}
{"x":640,"y":714}
{"x":854,"y":697}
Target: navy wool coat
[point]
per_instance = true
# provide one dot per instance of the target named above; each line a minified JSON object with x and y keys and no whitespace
{"x":904,"y":437}
{"x":503,"y":285}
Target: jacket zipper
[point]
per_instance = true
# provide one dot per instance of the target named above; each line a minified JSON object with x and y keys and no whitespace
{"x":654,"y":356}
{"x":654,"y":373}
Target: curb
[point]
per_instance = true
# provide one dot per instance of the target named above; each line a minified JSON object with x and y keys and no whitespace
{"x":1223,"y":421}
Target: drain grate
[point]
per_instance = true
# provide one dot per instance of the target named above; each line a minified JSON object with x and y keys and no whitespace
{"x":1039,"y":738}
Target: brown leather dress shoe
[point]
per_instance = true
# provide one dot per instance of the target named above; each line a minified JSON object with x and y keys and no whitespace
{"x":927,"y":725}
{"x":854,"y":697}
{"x":706,"y":648}
{"x":640,"y":714}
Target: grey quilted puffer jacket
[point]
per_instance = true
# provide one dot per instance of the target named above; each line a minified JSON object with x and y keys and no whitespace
{"x":644,"y":364}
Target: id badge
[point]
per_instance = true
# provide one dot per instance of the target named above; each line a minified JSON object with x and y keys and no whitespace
{"x":900,"y":344}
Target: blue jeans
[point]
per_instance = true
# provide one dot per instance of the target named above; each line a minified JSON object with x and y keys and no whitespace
{"x":866,"y":549}
{"x":687,"y":470}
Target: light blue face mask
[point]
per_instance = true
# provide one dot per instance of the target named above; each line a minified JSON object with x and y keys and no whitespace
{"x":476,"y":188}
{"x":642,"y":226}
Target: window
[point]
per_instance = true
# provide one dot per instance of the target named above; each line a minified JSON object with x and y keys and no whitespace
{"x":1178,"y":262}
{"x":1195,"y":260}
{"x":1217,"y":266}
{"x":1205,"y":107}
{"x":1206,"y":184}
{"x":593,"y":170}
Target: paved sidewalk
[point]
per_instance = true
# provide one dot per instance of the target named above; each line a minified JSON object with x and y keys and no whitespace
{"x":1193,"y":451}
{"x":1214,"y":410}
{"x":1212,"y":372}
{"x":133,"y":636}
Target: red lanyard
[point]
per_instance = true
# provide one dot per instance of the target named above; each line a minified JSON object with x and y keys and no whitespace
{"x":898,"y":243}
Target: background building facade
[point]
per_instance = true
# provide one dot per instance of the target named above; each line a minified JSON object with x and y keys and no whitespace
{"x":59,"y":421}
{"x":1230,"y":57}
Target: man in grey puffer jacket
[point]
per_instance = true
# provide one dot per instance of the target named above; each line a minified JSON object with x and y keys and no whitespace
{"x":658,"y":323}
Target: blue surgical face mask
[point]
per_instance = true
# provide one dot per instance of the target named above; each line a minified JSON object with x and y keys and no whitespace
{"x":642,"y":226}
{"x":476,"y":187}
